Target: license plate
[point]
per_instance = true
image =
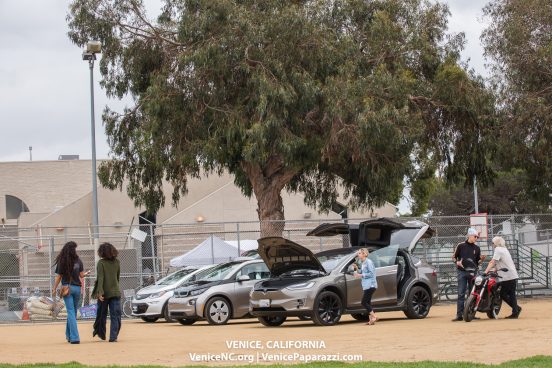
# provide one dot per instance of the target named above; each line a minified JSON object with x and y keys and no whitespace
{"x":264,"y":303}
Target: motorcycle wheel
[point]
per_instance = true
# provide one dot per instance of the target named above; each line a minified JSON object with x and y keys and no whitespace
{"x":495,"y":309}
{"x":469,"y":308}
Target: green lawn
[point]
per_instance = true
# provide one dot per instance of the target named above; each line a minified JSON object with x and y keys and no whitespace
{"x":534,"y":362}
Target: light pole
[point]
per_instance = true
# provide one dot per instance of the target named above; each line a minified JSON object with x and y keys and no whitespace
{"x":92,"y":48}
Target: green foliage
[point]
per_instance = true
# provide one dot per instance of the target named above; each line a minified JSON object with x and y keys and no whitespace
{"x":519,"y":41}
{"x":307,"y":96}
{"x":509,"y":193}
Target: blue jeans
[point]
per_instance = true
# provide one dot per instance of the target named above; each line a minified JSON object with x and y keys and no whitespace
{"x":464,"y":281}
{"x":71,"y":305}
{"x":114,"y":306}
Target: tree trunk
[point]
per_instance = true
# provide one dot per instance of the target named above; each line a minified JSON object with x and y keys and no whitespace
{"x":270,"y":209}
{"x":268,"y":183}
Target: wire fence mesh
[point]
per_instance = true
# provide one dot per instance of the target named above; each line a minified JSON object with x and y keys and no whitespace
{"x":27,"y":255}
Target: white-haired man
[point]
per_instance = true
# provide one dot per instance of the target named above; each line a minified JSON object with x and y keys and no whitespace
{"x":508,"y":279}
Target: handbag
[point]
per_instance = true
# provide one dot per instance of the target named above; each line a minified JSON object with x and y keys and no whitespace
{"x":64,"y":291}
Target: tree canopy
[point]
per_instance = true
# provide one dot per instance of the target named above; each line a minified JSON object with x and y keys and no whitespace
{"x":308,"y":96}
{"x":519,"y":43}
{"x":508,"y":194}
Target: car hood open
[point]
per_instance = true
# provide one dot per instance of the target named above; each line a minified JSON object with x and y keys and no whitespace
{"x":282,"y":255}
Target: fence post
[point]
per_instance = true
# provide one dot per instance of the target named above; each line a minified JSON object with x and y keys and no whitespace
{"x":492,"y":227}
{"x":153,"y":255}
{"x":50,"y":263}
{"x":547,"y":272}
{"x":212,"y":251}
{"x":238,"y":236}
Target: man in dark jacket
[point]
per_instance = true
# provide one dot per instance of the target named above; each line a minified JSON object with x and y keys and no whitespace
{"x":466,"y":255}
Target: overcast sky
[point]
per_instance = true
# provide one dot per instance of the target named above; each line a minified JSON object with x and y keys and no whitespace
{"x":44,"y":84}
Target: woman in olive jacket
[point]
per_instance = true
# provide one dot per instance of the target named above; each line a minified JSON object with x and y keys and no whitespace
{"x":106,"y":290}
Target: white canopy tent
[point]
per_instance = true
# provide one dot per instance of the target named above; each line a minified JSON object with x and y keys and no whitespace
{"x":212,"y":250}
{"x":244,"y":245}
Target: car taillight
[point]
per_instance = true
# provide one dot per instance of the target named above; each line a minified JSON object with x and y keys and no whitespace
{"x":434,"y":273}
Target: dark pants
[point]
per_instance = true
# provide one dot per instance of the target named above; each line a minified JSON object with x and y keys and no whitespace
{"x":508,"y":294}
{"x":114,"y":307}
{"x":367,"y":299}
{"x":464,"y":283}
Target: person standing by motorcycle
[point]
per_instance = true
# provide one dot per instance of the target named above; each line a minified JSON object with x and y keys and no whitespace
{"x":465,"y":255}
{"x":508,"y":279}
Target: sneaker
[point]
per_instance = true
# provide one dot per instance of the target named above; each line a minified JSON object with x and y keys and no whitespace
{"x":514,"y":315}
{"x":457,"y":319}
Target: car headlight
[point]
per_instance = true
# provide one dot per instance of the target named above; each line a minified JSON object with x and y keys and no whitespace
{"x":198,"y":291}
{"x":301,"y":286}
{"x":158,"y":295}
{"x":478,"y":280}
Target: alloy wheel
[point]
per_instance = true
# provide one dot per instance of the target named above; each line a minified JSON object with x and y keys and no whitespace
{"x":421,"y":302}
{"x":329,"y":309}
{"x":219,"y":311}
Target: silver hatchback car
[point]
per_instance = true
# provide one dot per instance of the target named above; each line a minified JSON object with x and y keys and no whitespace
{"x":323,"y":287}
{"x":218,"y":294}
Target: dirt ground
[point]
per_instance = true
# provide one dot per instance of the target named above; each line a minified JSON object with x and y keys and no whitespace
{"x":393,"y":338}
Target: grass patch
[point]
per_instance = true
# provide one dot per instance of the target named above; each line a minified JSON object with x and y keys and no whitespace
{"x":533,"y":362}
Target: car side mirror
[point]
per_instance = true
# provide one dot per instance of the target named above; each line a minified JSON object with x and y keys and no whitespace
{"x":350,"y":269}
{"x":504,"y":269}
{"x":242,"y":278}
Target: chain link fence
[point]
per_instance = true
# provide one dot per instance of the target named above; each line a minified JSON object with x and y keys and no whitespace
{"x":27,"y":255}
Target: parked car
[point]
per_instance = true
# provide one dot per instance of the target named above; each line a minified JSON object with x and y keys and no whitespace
{"x":150,"y":303}
{"x":219,"y":294}
{"x":252,"y":253}
{"x":323,"y":287}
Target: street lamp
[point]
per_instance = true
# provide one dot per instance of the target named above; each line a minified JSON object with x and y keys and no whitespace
{"x":92,"y":48}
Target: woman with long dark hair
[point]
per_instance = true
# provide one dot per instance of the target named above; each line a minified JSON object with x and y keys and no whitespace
{"x":69,"y":272}
{"x":106,"y":290}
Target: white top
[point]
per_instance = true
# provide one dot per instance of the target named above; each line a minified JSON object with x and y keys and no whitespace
{"x":503,"y":259}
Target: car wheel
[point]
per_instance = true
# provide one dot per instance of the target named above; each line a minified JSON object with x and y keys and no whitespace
{"x":495,"y":309}
{"x":272,"y":321}
{"x":418,"y":303}
{"x":218,"y":311}
{"x":327,"y":309}
{"x":166,"y":314}
{"x":361,"y":316}
{"x":186,"y":322}
{"x":469,"y":308}
{"x":149,"y":319}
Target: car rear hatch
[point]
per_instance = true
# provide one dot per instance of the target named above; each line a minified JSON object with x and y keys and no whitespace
{"x":282,"y":255}
{"x":337,"y":228}
{"x":382,"y":232}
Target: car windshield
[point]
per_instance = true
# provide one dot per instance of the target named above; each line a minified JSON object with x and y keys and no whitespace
{"x":330,"y":261}
{"x":175,"y":277}
{"x":217,"y":273}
